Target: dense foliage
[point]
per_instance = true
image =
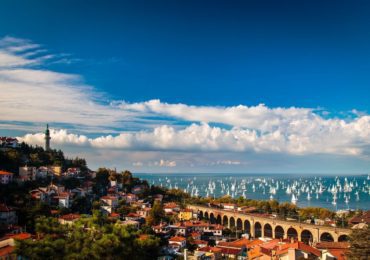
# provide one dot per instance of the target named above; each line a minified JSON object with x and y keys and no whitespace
{"x":90,"y":238}
{"x":360,"y":244}
{"x":12,"y":158}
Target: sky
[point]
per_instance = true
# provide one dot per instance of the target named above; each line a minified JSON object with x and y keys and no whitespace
{"x":191,"y":86}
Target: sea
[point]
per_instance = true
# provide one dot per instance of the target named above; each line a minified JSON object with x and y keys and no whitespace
{"x":340,"y":192}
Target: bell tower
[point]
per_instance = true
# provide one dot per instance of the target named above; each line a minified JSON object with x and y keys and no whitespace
{"x":47,"y":138}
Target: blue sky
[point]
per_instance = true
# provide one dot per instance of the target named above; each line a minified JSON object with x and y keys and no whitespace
{"x":201,"y":59}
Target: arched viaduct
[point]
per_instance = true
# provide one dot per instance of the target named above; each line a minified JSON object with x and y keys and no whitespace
{"x":257,"y":226}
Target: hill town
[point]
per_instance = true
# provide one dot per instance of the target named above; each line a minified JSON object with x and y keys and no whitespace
{"x":53,"y":207}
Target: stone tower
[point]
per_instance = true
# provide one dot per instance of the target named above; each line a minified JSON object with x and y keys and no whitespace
{"x":47,"y":138}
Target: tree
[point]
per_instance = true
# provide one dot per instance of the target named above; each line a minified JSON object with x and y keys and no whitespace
{"x":359,"y":244}
{"x":156,"y":214}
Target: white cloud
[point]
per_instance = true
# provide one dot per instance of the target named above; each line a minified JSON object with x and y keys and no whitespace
{"x":34,"y":94}
{"x":165,"y":163}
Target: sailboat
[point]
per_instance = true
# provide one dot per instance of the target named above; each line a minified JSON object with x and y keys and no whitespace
{"x":294,"y":199}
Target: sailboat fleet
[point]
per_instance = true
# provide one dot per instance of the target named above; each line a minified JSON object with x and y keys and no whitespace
{"x":346,"y":191}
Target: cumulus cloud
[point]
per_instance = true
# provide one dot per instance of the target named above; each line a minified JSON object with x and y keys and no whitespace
{"x":31,"y":93}
{"x":338,"y":137}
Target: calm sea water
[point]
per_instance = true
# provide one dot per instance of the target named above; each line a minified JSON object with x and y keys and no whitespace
{"x":332,"y":192}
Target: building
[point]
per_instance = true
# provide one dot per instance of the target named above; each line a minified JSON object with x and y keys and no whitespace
{"x":109,"y":203}
{"x":69,"y":219}
{"x":7,"y":245}
{"x":5,"y":177}
{"x":27,"y":173}
{"x":177,"y":242}
{"x":185,"y":214}
{"x":8,"y":215}
{"x":47,"y":138}
{"x":8,"y":142}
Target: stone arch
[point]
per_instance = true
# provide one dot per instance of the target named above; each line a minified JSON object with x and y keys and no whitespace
{"x":267,"y":230}
{"x":239,"y":224}
{"x":343,"y":238}
{"x":279,"y":232}
{"x":206,"y":216}
{"x":212,"y":218}
{"x":225,"y":221}
{"x":326,"y":237}
{"x":247,"y":226}
{"x":219,"y":220}
{"x":292,"y":233}
{"x":200,"y":214}
{"x":257,"y":229}
{"x":306,"y":236}
{"x":232,"y":222}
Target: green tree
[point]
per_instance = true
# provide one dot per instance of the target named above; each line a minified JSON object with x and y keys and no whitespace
{"x":359,"y":244}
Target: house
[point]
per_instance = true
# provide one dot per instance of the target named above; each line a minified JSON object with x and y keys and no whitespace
{"x":208,"y":252}
{"x":133,"y":223}
{"x":162,"y":229}
{"x":27,"y":173}
{"x":130,"y":198}
{"x":361,"y":218}
{"x":5,"y":177}
{"x":133,"y":216}
{"x":42,"y":172}
{"x":171,"y":207}
{"x":72,"y":172}
{"x":229,"y":206}
{"x":64,"y":199}
{"x":180,"y":229}
{"x":185,"y":214}
{"x":177,"y":242}
{"x":143,"y":212}
{"x":8,"y":142}
{"x":69,"y":219}
{"x":297,"y":250}
{"x":8,"y":215}
{"x":7,"y":245}
{"x":333,"y":250}
{"x":200,"y":243}
{"x":109,"y":203}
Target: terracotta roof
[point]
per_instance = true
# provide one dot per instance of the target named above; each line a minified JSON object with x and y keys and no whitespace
{"x":332,"y":245}
{"x":177,"y":239}
{"x":70,"y":216}
{"x":300,"y":246}
{"x":20,"y":236}
{"x":231,"y":251}
{"x":199,"y":242}
{"x":254,"y":253}
{"x":339,"y":254}
{"x":132,"y":215}
{"x":6,"y":173}
{"x":210,"y":249}
{"x":4,"y":251}
{"x":109,"y":198}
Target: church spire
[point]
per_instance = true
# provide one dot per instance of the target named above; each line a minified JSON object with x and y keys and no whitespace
{"x":47,"y":138}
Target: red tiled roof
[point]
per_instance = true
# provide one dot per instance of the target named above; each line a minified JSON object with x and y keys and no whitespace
{"x":300,"y":246}
{"x":332,"y":245}
{"x":177,"y":239}
{"x":210,"y":249}
{"x":6,"y":173}
{"x":20,"y":236}
{"x":339,"y":254}
{"x":4,"y":251}
{"x":109,"y":198}
{"x":70,"y":216}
